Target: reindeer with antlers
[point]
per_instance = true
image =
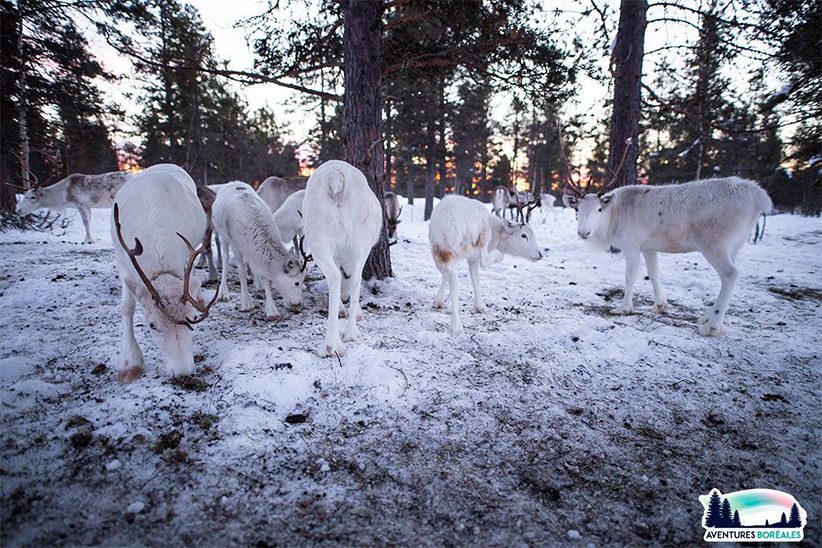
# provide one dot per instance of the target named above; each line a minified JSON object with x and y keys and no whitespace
{"x":712,"y":216}
{"x":160,"y":213}
{"x":81,"y":192}
{"x":246,"y":226}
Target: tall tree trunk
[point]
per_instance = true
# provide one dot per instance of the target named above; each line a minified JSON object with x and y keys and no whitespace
{"x":25,"y":165}
{"x":627,"y":62}
{"x":409,"y":183}
{"x":388,"y":136}
{"x":441,"y":152}
{"x":485,"y":184}
{"x":363,"y":111}
{"x":430,"y":163}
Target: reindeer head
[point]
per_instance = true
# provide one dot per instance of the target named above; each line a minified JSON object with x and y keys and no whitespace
{"x":171,"y":303}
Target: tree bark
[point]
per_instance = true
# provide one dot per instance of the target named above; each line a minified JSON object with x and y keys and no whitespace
{"x":627,"y":62}
{"x":25,"y":165}
{"x":430,"y":164}
{"x":409,"y":183}
{"x":362,"y":63}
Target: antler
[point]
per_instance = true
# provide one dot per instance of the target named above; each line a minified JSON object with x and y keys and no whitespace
{"x":192,"y":256}
{"x":298,"y":245}
{"x":569,"y":181}
{"x":398,"y":214}
{"x":605,"y":189}
{"x":137,"y":250}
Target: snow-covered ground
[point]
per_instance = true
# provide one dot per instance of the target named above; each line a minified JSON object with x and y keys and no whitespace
{"x":550,"y":421}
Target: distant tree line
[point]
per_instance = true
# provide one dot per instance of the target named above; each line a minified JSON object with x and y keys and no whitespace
{"x":443,"y":65}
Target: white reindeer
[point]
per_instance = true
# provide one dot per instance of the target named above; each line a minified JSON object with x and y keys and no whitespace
{"x":499,"y":201}
{"x":712,"y":216}
{"x":289,"y":217}
{"x":81,"y":192}
{"x":343,"y":219}
{"x":392,"y":215}
{"x":546,"y":204}
{"x":462,"y":227}
{"x":158,"y":211}
{"x":275,"y":190}
{"x":246,"y":226}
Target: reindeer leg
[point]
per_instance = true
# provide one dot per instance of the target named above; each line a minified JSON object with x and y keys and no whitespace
{"x":271,"y":311}
{"x":85,"y":215}
{"x":131,"y":357}
{"x":473,"y":270}
{"x":631,"y":271}
{"x":456,"y":324}
{"x":224,"y":274}
{"x":351,"y":332}
{"x":713,"y":321}
{"x":332,"y":344}
{"x":439,"y":302}
{"x":246,"y":303}
{"x":660,"y":303}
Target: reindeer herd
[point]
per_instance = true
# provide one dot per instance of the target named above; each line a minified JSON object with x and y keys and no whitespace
{"x":335,"y":219}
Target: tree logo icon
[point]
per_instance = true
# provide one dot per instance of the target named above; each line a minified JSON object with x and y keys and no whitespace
{"x":754,"y":515}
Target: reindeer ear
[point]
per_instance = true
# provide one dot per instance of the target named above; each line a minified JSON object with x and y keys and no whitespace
{"x":509,"y":226}
{"x":570,"y":200}
{"x":289,"y":265}
{"x":605,"y":200}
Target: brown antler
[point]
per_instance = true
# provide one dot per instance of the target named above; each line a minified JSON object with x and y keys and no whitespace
{"x":137,"y":250}
{"x":605,"y":189}
{"x":569,"y":181}
{"x":298,"y":246}
{"x":192,"y":256}
{"x":133,"y":253}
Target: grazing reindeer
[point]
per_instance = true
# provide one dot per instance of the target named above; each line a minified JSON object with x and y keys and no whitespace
{"x":499,"y":201}
{"x":547,"y":201}
{"x":275,"y":190}
{"x":462,"y":227}
{"x":392,"y":215}
{"x":159,"y":212}
{"x":246,"y":226}
{"x":207,"y":197}
{"x":81,"y":192}
{"x":343,"y":219}
{"x":712,"y":216}
{"x":524,"y":203}
{"x":289,"y":217}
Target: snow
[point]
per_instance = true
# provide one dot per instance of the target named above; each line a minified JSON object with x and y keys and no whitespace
{"x":550,"y":420}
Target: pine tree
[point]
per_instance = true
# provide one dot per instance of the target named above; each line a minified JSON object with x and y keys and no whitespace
{"x":714,"y":515}
{"x":726,"y":516}
{"x":784,"y":521}
{"x":795,"y":520}
{"x":736,"y":522}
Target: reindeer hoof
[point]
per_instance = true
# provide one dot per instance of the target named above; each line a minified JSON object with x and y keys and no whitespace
{"x":125,"y":376}
{"x":481,"y":309}
{"x":351,"y":334}
{"x":439,"y":304}
{"x":329,"y":349}
{"x":704,"y":319}
{"x":661,"y":307}
{"x":709,"y":330}
{"x":343,"y":313}
{"x":623,"y":310}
